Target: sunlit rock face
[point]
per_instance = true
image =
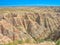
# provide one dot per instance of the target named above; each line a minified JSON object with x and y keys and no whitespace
{"x":32,"y":23}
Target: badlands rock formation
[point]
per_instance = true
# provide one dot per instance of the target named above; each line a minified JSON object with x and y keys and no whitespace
{"x":29,"y":24}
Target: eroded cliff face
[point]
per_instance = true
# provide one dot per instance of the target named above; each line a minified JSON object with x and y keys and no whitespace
{"x":32,"y":23}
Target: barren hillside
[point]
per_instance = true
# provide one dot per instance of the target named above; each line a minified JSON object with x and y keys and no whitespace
{"x":29,"y":25}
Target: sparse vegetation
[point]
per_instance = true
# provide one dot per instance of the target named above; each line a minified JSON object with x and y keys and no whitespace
{"x":10,"y":43}
{"x":20,"y":42}
{"x":15,"y":42}
{"x":58,"y":42}
{"x":27,"y":40}
{"x":49,"y":40}
{"x":40,"y":40}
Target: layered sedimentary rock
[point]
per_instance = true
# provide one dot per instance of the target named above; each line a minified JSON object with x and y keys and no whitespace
{"x":30,"y":23}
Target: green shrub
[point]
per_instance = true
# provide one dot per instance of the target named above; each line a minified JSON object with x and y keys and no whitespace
{"x":40,"y":40}
{"x":20,"y":41}
{"x":27,"y":40}
{"x":58,"y":42}
{"x":48,"y":40}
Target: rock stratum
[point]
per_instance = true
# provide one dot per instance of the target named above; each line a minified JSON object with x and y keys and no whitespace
{"x":29,"y":24}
